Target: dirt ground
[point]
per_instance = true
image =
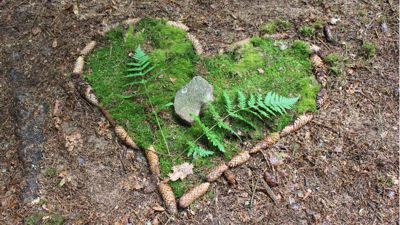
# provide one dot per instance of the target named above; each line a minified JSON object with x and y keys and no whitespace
{"x":340,"y":169}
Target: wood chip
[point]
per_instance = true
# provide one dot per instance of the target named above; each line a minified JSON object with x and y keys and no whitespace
{"x":189,"y":197}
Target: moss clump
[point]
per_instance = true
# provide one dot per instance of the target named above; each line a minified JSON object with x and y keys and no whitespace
{"x":307,"y":31}
{"x":318,"y":24}
{"x":274,"y":26}
{"x":335,"y":63}
{"x":368,"y":50}
{"x":286,"y":72}
{"x":50,"y":172}
{"x":38,"y":218}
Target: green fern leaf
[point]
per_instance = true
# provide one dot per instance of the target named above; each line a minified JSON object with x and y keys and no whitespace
{"x":279,"y":103}
{"x":242,"y":119}
{"x":261,"y":104}
{"x":228,"y":102}
{"x":220,"y":122}
{"x":241,"y":100}
{"x":211,"y":136}
{"x":195,"y":151}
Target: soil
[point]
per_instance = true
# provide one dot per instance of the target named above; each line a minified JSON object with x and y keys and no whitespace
{"x":341,"y":168}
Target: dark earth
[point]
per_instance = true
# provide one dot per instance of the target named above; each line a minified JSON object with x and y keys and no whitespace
{"x":59,"y":159}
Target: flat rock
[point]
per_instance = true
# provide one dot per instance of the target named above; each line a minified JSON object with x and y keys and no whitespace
{"x":192,"y":98}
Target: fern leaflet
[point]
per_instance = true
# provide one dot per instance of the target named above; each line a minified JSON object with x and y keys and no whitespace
{"x":194,"y":151}
{"x":140,"y":67}
{"x":220,"y":122}
{"x":211,"y":136}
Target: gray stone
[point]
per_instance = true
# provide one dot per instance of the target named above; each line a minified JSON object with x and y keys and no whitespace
{"x":192,"y":98}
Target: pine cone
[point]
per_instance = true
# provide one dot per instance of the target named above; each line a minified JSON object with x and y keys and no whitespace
{"x":131,"y":21}
{"x":216,"y":172}
{"x":78,"y":68}
{"x":90,"y":96}
{"x":88,"y":48}
{"x":178,"y":25}
{"x":300,"y":122}
{"x":125,"y":138}
{"x":239,"y":159}
{"x":193,"y":194}
{"x":154,"y":163}
{"x":322,"y":97}
{"x":230,"y":177}
{"x":317,"y":61}
{"x":196,"y":43}
{"x":168,"y":196}
{"x":268,"y":141}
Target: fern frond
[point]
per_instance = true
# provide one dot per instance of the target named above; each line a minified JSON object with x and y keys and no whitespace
{"x":241,"y":100}
{"x":211,"y":136}
{"x":228,"y":102}
{"x":279,"y":103}
{"x":220,"y":122}
{"x":195,"y":150}
{"x":242,"y":119}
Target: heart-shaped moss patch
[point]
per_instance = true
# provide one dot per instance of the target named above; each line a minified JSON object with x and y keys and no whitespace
{"x":259,"y":87}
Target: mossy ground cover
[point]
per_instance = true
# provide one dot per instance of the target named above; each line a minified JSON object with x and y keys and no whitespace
{"x":258,"y":67}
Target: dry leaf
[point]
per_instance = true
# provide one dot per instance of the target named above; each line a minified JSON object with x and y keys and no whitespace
{"x":181,"y":171}
{"x":73,"y":141}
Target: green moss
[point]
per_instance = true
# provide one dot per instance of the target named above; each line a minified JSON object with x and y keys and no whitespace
{"x":368,"y":50}
{"x":37,"y":218}
{"x":318,"y":24}
{"x":307,"y":31}
{"x":274,"y":26}
{"x":50,"y":172}
{"x":335,"y":63}
{"x":286,"y":72}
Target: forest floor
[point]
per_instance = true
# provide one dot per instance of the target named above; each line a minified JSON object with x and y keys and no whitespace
{"x":342,"y":168}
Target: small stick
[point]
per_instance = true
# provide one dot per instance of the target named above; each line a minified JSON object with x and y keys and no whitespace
{"x":267,"y":189}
